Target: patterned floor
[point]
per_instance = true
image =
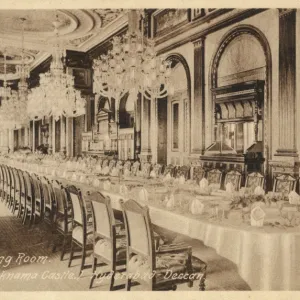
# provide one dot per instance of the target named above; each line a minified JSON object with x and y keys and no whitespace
{"x":27,"y":263}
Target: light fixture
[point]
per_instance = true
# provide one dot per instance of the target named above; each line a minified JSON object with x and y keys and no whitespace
{"x":132,"y":66}
{"x":56,"y":95}
{"x":23,"y":70}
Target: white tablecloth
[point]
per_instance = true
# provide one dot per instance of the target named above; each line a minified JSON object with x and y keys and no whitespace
{"x":266,"y":260}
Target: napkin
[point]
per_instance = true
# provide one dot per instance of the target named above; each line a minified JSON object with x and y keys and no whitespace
{"x":98,"y":168}
{"x":82,"y":179}
{"x":203,"y":183}
{"x":74,"y":177}
{"x":124,"y":190}
{"x":257,"y":216}
{"x":259,"y":191}
{"x":229,"y":188}
{"x":107,"y":185}
{"x":170,"y":201}
{"x":96,"y":182}
{"x":196,"y":207}
{"x":115,"y":172}
{"x":126,"y":172}
{"x":167,"y":178}
{"x":294,"y":198}
{"x":143,"y":195}
{"x":105,"y":171}
{"x":152,"y":174}
{"x":181,"y":179}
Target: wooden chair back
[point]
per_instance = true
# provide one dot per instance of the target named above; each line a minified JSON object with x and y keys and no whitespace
{"x":254,"y":180}
{"x":233,"y":177}
{"x":214,"y":176}
{"x":198,"y":173}
{"x":140,"y":238}
{"x":284,"y":183}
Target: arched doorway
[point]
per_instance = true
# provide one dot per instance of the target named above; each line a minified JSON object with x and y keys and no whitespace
{"x":173,"y":116}
{"x":242,"y":59}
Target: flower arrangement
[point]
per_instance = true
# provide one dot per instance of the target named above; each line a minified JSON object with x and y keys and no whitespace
{"x":242,"y":201}
{"x":276,"y":197}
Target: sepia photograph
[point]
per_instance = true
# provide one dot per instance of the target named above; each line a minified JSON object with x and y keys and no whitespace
{"x":149,"y":149}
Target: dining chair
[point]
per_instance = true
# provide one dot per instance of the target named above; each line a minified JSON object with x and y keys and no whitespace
{"x":62,"y":221}
{"x":22,"y":198}
{"x":284,"y":183}
{"x":233,"y":177}
{"x":29,"y":199}
{"x":82,"y":229}
{"x":169,"y":169}
{"x":157,"y":170}
{"x":17,"y":191}
{"x":2,"y":183}
{"x":11,"y":194}
{"x":197,"y":173}
{"x":109,"y":246}
{"x":135,"y":168}
{"x":214,"y":177}
{"x":254,"y":180}
{"x":182,"y":171}
{"x":148,"y":265}
{"x":38,"y":198}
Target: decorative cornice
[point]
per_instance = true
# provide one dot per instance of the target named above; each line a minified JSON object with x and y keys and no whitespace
{"x":232,"y":19}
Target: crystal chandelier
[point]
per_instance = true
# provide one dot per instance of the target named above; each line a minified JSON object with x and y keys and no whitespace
{"x":23,"y":71}
{"x":132,"y":66}
{"x":56,"y":95}
{"x":7,"y":118}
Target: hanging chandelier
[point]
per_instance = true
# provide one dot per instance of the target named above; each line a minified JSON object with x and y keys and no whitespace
{"x":132,"y":66}
{"x":23,"y":70}
{"x":8,"y":101}
{"x":56,"y":95}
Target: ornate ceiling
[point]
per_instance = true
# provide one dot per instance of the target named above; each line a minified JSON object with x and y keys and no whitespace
{"x":79,"y":30}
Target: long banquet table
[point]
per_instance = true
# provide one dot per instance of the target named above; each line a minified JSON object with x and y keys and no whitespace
{"x":267,"y":258}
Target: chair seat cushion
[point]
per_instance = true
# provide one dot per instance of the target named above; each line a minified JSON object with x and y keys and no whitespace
{"x":167,"y":265}
{"x":104,"y":249}
{"x":77,"y":234}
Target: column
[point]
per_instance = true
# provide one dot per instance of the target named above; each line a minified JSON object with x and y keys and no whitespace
{"x":53,"y":135}
{"x":11,"y":140}
{"x":69,"y":137}
{"x":25,"y":136}
{"x":7,"y":139}
{"x":50,"y":149}
{"x":33,"y":136}
{"x":137,"y":122}
{"x":153,"y":135}
{"x":287,"y":83}
{"x":63,"y":134}
{"x":145,"y":130}
{"x":198,"y":109}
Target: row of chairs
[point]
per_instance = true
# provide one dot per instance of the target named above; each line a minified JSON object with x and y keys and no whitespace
{"x":88,"y":222}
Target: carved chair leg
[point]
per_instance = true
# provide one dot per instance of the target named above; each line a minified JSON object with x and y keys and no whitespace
{"x":71,"y":254}
{"x":128,"y":284}
{"x":113,"y":272}
{"x":93,"y":270}
{"x":202,"y":281}
{"x":82,"y":260}
{"x":24,"y":216}
{"x":63,"y":248}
